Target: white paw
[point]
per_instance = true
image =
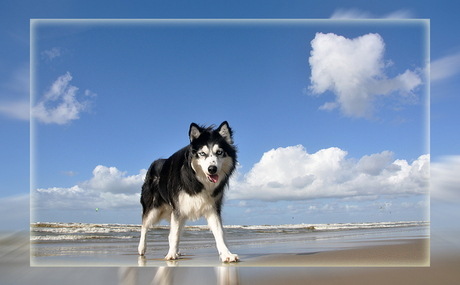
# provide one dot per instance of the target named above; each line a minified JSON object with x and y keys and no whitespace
{"x":172,"y":256}
{"x":229,"y":257}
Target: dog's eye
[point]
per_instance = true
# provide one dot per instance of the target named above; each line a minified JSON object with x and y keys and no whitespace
{"x":219,"y":152}
{"x":202,"y":154}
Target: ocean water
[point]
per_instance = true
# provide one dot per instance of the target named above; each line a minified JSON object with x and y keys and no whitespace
{"x":195,"y":237}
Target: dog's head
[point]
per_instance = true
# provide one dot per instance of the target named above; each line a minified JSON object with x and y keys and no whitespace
{"x":214,"y":155}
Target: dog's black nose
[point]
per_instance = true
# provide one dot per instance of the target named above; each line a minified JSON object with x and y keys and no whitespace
{"x":212,"y":169}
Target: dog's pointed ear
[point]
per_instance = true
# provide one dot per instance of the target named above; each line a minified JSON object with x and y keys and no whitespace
{"x":194,"y":132}
{"x":226,"y":132}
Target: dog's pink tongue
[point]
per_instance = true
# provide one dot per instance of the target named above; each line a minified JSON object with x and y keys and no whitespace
{"x":214,"y":178}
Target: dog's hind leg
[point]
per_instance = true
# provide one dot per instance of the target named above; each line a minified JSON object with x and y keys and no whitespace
{"x":152,"y":217}
{"x":177,"y":223}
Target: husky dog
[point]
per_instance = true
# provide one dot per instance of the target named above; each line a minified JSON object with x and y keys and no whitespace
{"x":189,"y":185}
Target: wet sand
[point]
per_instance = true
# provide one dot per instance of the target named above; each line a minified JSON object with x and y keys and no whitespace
{"x":400,"y":253}
{"x":445,"y":261}
{"x":403,"y":252}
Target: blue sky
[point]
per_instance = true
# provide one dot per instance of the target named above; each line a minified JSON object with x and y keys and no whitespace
{"x":110,"y":97}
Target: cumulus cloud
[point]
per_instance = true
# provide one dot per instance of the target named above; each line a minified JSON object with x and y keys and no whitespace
{"x":354,"y":13}
{"x":289,"y":173}
{"x":292,"y":173}
{"x":108,"y":188}
{"x":375,"y":163}
{"x":110,"y":179}
{"x":354,"y":70}
{"x":60,"y":105}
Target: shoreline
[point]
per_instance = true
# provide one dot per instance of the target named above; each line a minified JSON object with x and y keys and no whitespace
{"x":410,"y":252}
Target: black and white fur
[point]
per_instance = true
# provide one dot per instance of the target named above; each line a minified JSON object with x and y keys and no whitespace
{"x":189,"y":185}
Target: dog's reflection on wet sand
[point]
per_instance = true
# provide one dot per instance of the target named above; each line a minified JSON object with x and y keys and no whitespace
{"x":168,"y":275}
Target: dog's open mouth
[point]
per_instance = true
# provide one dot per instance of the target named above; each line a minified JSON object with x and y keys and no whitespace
{"x":213,"y":178}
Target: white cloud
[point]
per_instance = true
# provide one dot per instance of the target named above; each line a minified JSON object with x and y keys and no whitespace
{"x":354,"y":13}
{"x":110,"y":179}
{"x":375,"y":163}
{"x":108,"y":188}
{"x":52,"y":53}
{"x":60,"y":105}
{"x":16,"y":89}
{"x":69,"y":173}
{"x":292,"y":173}
{"x":16,"y":109}
{"x":354,"y":70}
{"x":289,"y":173}
{"x":445,"y":179}
{"x":445,"y":67}
{"x":19,"y":82}
{"x":329,"y":106}
{"x":400,"y":14}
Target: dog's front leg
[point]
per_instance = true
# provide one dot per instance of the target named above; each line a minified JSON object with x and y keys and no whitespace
{"x":215,"y":224}
{"x":177,"y":223}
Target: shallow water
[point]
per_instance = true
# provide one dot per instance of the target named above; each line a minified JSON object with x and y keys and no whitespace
{"x":76,"y":244}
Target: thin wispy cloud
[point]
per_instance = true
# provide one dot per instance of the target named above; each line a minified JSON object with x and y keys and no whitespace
{"x":352,"y":13}
{"x":355,"y":13}
{"x":60,"y":105}
{"x":445,"y":181}
{"x":400,"y":14}
{"x":52,"y":53}
{"x":354,"y":70}
{"x":353,"y":208}
{"x":445,"y":67}
{"x":15,"y":91}
{"x":69,"y":173}
{"x":19,"y":110}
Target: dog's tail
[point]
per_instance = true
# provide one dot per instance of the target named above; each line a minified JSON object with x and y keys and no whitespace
{"x":150,"y":191}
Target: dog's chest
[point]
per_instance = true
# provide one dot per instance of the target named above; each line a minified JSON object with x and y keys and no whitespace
{"x":193,"y":207}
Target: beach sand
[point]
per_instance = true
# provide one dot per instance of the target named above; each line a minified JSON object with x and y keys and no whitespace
{"x":400,"y":253}
{"x":403,"y":252}
{"x":443,"y":270}
{"x":14,"y":267}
